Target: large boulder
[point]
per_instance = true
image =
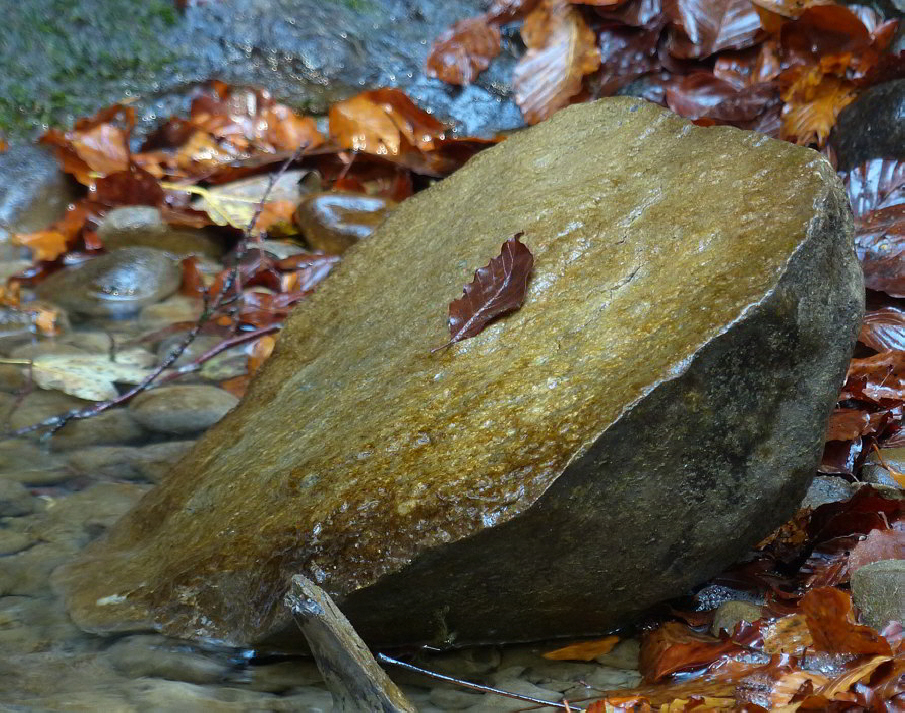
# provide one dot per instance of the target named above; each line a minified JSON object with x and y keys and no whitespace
{"x":655,"y":407}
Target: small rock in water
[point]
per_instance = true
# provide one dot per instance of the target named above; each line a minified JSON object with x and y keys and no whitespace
{"x":142,"y":226}
{"x":181,"y":409}
{"x":334,"y":222}
{"x":730,"y":613}
{"x":155,"y":656}
{"x":878,"y":590}
{"x":34,"y":192}
{"x":874,"y":470}
{"x":656,"y":406}
{"x":115,"y":426}
{"x":827,"y":489}
{"x":14,"y":499}
{"x":117,"y":284}
{"x":872,"y":126}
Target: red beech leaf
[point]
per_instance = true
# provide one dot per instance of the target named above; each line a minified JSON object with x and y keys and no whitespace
{"x":832,"y":623}
{"x":461,"y":53}
{"x":497,"y":289}
{"x":878,"y":545}
{"x":884,"y":330}
{"x":561,"y":50}
{"x":874,"y":184}
{"x":701,"y":28}
{"x":846,"y":424}
{"x":702,"y":95}
{"x":880,"y":246}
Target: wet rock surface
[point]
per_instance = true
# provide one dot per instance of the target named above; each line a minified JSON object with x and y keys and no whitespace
{"x":872,"y":126}
{"x":117,"y":284}
{"x":142,"y":226}
{"x":181,"y":409}
{"x":307,"y":52}
{"x":334,"y":222}
{"x":473,"y":493}
{"x":878,"y":590}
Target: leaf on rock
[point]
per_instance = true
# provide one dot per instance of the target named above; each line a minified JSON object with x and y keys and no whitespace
{"x":87,"y":376}
{"x":702,"y":27}
{"x":585,"y":651}
{"x":788,"y":8}
{"x":497,"y":289}
{"x":562,"y":49}
{"x":465,"y":50}
{"x":878,"y":545}
{"x":831,"y":619}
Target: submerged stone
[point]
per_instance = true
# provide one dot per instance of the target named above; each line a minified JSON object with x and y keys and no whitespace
{"x":655,"y":407}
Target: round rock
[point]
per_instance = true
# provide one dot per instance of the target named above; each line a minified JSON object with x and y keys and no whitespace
{"x":142,"y":226}
{"x":334,"y":222}
{"x":872,"y":126}
{"x":117,"y":284}
{"x":181,"y":409}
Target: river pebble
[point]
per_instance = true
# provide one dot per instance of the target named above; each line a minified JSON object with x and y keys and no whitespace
{"x":181,"y":409}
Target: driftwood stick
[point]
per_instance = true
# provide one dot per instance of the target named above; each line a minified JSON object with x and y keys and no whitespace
{"x":349,"y":670}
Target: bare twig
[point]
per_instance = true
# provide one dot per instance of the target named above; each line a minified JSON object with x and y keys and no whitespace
{"x":383,"y":658}
{"x":55,"y":423}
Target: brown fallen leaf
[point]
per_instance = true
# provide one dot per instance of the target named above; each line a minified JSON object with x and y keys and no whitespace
{"x":831,"y":619}
{"x":884,"y":329}
{"x":585,"y":651}
{"x":813,"y":102}
{"x":465,"y":50}
{"x":497,"y":288}
{"x":702,"y":27}
{"x":562,"y":49}
{"x":878,"y":545}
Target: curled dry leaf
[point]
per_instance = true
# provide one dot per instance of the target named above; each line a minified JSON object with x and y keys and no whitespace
{"x":465,"y":50}
{"x":702,"y":27}
{"x":497,"y":289}
{"x":562,"y":49}
{"x":585,"y":651}
{"x":626,"y":53}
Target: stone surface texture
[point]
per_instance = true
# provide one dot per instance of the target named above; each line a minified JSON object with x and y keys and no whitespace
{"x":872,"y":126}
{"x":878,"y":590}
{"x":656,"y":406}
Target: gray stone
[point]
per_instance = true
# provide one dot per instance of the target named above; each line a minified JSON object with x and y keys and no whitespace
{"x":454,"y":699}
{"x":154,"y":656}
{"x":827,"y":489}
{"x":201,"y":344}
{"x":38,"y":406}
{"x":147,"y":463}
{"x":181,"y":409}
{"x":878,"y":590}
{"x":730,"y":613}
{"x":281,"y":677}
{"x":142,"y":226}
{"x":116,"y":284}
{"x":12,"y":378}
{"x":34,"y":192}
{"x":12,"y":542}
{"x":625,"y":654}
{"x":115,"y":426}
{"x":502,"y":703}
{"x":471,"y":494}
{"x":44,"y":346}
{"x":875,"y":472}
{"x":872,"y":126}
{"x":178,"y":308}
{"x":162,"y":696}
{"x":308,"y":52}
{"x":14,"y":499}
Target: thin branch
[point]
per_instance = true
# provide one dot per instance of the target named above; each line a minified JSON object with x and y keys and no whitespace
{"x":55,"y":423}
{"x":383,"y":658}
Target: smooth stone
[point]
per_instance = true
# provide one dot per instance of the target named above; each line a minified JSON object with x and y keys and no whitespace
{"x":175,"y":309}
{"x":878,"y":590}
{"x":15,"y":499}
{"x":412,"y":485}
{"x":27,"y":573}
{"x":12,"y":378}
{"x":33,"y":350}
{"x":117,"y":284}
{"x":181,"y":409}
{"x":12,"y":542}
{"x":730,"y":613}
{"x":334,"y":222}
{"x":201,"y":344}
{"x":34,"y":192}
{"x":40,"y":405}
{"x":282,"y":677}
{"x":874,"y":472}
{"x":626,"y":655}
{"x":515,"y":685}
{"x":162,"y":696}
{"x":872,"y":126}
{"x":156,"y":657}
{"x":454,"y":699}
{"x":113,"y":427}
{"x":281,"y":249}
{"x":75,"y":519}
{"x":147,"y":463}
{"x":143,"y":227}
{"x":827,"y":489}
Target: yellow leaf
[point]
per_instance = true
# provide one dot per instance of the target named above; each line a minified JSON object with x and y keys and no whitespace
{"x":585,"y":651}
